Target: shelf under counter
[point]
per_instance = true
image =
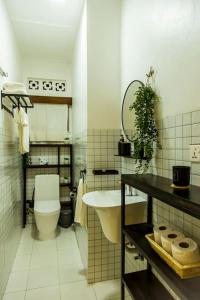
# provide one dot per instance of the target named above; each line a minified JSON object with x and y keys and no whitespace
{"x":144,"y":285}
{"x":186,"y":289}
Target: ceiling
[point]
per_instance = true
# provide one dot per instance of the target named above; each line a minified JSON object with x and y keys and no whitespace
{"x":45,"y":28}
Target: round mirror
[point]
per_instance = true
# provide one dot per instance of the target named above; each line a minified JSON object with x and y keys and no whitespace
{"x":128,"y":116}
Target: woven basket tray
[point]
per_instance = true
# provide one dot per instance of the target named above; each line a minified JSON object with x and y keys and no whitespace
{"x":184,"y":271}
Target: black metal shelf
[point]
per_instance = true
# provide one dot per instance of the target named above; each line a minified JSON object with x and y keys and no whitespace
{"x":105,"y":172}
{"x":57,"y":166}
{"x":184,"y":288}
{"x":52,"y":144}
{"x":48,"y":166}
{"x":65,"y":184}
{"x":144,"y":285}
{"x":125,"y":156}
{"x":159,"y":187}
{"x":189,"y":202}
{"x":15,"y":100}
{"x":129,"y":156}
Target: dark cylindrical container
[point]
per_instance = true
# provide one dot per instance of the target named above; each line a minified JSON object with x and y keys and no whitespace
{"x":124,"y":149}
{"x":181,"y":176}
{"x":65,"y":219}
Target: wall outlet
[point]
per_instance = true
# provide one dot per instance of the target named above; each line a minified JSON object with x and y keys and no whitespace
{"x":195,"y":153}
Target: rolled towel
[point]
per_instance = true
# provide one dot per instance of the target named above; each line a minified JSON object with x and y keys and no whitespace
{"x":13,"y":86}
{"x":168,"y":237}
{"x":81,"y":208}
{"x":185,"y":251}
{"x":16,"y":91}
{"x":158,"y":229}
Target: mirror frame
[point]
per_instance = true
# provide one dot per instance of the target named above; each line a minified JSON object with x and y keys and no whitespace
{"x":142,"y":84}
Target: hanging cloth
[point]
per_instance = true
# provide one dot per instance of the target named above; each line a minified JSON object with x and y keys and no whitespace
{"x":22,"y":121}
{"x":81,"y":208}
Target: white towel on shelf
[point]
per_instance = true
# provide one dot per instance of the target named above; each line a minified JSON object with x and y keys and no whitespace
{"x":14,"y":88}
{"x":22,"y":121}
{"x":15,"y":91}
{"x":81,"y":207}
{"x":9,"y":85}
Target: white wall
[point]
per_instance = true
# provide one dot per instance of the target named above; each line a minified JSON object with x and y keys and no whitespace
{"x":79,"y":77}
{"x":10,"y":59}
{"x":11,"y":166}
{"x":47,"y":69}
{"x":44,"y":124}
{"x":96,"y":67}
{"x":165,"y":35}
{"x":104,"y":63}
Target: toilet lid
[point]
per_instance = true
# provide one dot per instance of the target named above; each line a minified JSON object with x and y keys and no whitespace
{"x":46,"y":206}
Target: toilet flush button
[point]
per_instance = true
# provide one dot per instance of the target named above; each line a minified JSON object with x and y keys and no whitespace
{"x":195,"y":153}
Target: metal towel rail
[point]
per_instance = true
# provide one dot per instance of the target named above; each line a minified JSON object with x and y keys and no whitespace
{"x":14,"y":101}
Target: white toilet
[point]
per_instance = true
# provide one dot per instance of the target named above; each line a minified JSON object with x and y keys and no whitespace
{"x":46,"y":205}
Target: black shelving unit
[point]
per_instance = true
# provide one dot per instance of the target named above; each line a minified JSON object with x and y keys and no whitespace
{"x":57,"y":166}
{"x":14,"y":101}
{"x":143,"y":284}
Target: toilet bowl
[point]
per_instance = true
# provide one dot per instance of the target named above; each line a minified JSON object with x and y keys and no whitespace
{"x":46,"y":205}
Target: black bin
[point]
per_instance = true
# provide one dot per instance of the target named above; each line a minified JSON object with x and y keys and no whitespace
{"x":65,"y":219}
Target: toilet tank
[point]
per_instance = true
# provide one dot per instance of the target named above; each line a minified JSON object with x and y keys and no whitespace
{"x":47,"y":187}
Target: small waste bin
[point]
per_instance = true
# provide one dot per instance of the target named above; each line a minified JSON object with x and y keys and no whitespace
{"x":65,"y":219}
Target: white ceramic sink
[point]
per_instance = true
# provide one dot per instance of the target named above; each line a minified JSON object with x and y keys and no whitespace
{"x":108,"y":207}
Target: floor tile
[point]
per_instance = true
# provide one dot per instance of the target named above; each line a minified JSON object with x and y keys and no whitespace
{"x":15,"y":296}
{"x":53,"y":270}
{"x":21,"y":263}
{"x":44,"y":245}
{"x":49,"y":293}
{"x":43,"y":260}
{"x":65,"y":258}
{"x":17,"y":282}
{"x":67,"y":235}
{"x":39,"y":251}
{"x":77,"y":291}
{"x":66,"y":244}
{"x":71,"y":273}
{"x":107,"y":290}
{"x":25,"y":248}
{"x":39,"y":278}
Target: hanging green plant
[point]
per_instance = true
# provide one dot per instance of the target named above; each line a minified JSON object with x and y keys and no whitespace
{"x":146,"y":131}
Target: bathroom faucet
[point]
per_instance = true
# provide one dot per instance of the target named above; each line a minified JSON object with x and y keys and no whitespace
{"x":131,"y":191}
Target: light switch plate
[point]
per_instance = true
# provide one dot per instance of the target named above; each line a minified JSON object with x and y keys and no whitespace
{"x":195,"y":153}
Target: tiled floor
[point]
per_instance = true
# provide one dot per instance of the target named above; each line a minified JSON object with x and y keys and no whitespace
{"x":53,"y":270}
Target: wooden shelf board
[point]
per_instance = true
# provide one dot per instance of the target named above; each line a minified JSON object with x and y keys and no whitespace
{"x":159,"y":187}
{"x":51,"y":100}
{"x":144,"y":285}
{"x":184,"y":288}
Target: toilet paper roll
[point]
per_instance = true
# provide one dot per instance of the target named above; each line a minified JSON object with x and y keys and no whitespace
{"x":185,"y":251}
{"x":168,"y":237}
{"x":158,"y":229}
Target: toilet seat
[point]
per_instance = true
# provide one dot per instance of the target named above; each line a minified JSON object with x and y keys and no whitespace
{"x":46,"y":207}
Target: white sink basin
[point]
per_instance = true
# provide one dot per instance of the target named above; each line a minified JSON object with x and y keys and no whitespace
{"x":108,"y":207}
